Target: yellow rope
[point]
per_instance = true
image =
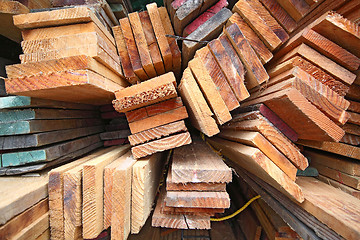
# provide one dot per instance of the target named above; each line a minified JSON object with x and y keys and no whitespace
{"x":235,"y":213}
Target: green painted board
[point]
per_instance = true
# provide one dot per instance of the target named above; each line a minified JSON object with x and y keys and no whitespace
{"x":47,"y":154}
{"x":34,"y":126}
{"x":26,"y":102}
{"x":41,"y":139}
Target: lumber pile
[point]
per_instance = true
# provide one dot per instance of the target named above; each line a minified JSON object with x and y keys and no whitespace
{"x":145,"y":51}
{"x":195,"y":189}
{"x":155,"y":115}
{"x":116,"y":129}
{"x":37,"y":134}
{"x":66,"y":50}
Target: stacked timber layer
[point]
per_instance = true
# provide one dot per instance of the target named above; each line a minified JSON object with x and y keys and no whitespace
{"x":195,"y":189}
{"x":155,"y":115}
{"x":37,"y":134}
{"x":117,"y":129}
{"x":145,"y":51}
{"x":65,"y":51}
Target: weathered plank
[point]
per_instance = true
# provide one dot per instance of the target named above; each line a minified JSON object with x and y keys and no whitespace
{"x":296,"y":9}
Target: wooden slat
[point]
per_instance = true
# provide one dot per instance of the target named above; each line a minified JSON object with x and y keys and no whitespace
{"x":296,"y":9}
{"x":115,"y":134}
{"x":35,"y":229}
{"x":93,"y":198}
{"x":198,"y":200}
{"x":208,"y":87}
{"x":145,"y":180}
{"x":161,"y":145}
{"x":260,"y":49}
{"x":342,"y":187}
{"x":199,"y":112}
{"x":256,"y":162}
{"x":256,"y":72}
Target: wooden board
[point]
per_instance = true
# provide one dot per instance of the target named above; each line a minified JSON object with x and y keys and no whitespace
{"x":109,"y":174}
{"x":35,"y":126}
{"x":342,"y":187}
{"x":351,"y":139}
{"x":256,"y":162}
{"x":160,"y":32}
{"x":199,"y":112}
{"x":332,"y":213}
{"x":115,"y":134}
{"x":152,"y":43}
{"x":175,"y":51}
{"x":145,"y":180}
{"x":161,"y":145}
{"x":198,"y":200}
{"x":124,"y":56}
{"x":21,"y":193}
{"x":206,"y":32}
{"x":256,"y":140}
{"x":256,"y":73}
{"x":90,"y":88}
{"x":218,"y":78}
{"x":121,"y":200}
{"x":208,"y":88}
{"x":134,"y":53}
{"x":258,"y":24}
{"x":47,"y":154}
{"x":296,"y":9}
{"x":157,"y":132}
{"x":307,"y":121}
{"x":146,"y":93}
{"x":259,"y":47}
{"x":35,"y":229}
{"x":198,"y":163}
{"x":235,"y":80}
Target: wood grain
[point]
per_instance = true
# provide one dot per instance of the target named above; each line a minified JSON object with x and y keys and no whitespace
{"x":198,"y":200}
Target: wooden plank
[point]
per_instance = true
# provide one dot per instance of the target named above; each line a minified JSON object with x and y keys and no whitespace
{"x":158,"y":120}
{"x":198,"y":163}
{"x":24,"y":219}
{"x":255,"y":161}
{"x":161,"y":145}
{"x":145,"y":180}
{"x":354,"y":118}
{"x":175,"y":51}
{"x":285,"y":20}
{"x":34,"y":126}
{"x":112,"y":115}
{"x":275,"y":137}
{"x":324,"y":46}
{"x":35,"y":229}
{"x":160,"y":32}
{"x":334,"y":215}
{"x":121,"y":200}
{"x":198,"y":200}
{"x":296,"y":9}
{"x":342,"y":187}
{"x":115,"y":142}
{"x":173,"y":6}
{"x":21,"y":193}
{"x":218,"y":78}
{"x":93,"y":198}
{"x":157,"y":132}
{"x":256,"y":140}
{"x":256,"y":73}
{"x":307,"y":121}
{"x":333,"y":147}
{"x":115,"y":134}
{"x":265,"y":33}
{"x":199,"y":112}
{"x":208,"y":87}
{"x":109,"y":180}
{"x":354,"y":106}
{"x":134,"y":53}
{"x":152,"y":43}
{"x":47,"y":154}
{"x":351,"y":139}
{"x":81,"y":62}
{"x":335,"y":70}
{"x":124,"y":56}
{"x":146,"y":93}
{"x":90,"y":88}
{"x":206,"y":32}
{"x":260,"y":49}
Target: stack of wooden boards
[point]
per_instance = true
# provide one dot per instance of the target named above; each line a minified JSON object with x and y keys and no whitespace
{"x":117,"y":129}
{"x":37,"y":134}
{"x":107,"y":188}
{"x":145,"y":51}
{"x":24,"y":207}
{"x":66,"y":51}
{"x":195,"y":189}
{"x":155,"y":115}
